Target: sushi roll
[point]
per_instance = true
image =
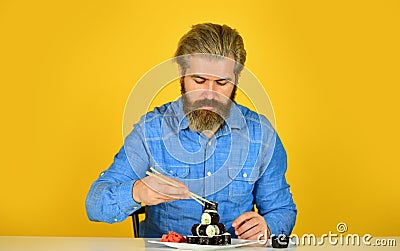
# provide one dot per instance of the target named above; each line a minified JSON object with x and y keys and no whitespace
{"x":204,"y":240}
{"x":226,"y":238}
{"x":201,"y":230}
{"x":206,"y":230}
{"x":217,"y":240}
{"x":195,"y":229}
{"x":216,"y":230}
{"x":210,"y":230}
{"x":209,"y":218}
{"x":192,"y":239}
{"x":205,"y":219}
{"x":220,"y":228}
{"x":280,"y":241}
{"x":214,"y":218}
{"x":211,"y":206}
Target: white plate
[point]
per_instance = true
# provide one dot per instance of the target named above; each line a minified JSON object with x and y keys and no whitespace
{"x":187,"y":246}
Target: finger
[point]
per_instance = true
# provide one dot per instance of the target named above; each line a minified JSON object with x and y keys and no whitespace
{"x":174,"y":181}
{"x":171,"y":197}
{"x":174,"y":191}
{"x":246,"y":226}
{"x":160,"y":198}
{"x":259,"y":231}
{"x":166,"y":189}
{"x":155,"y":182}
{"x":257,"y":236}
{"x":168,"y":193}
{"x":151,"y":194}
{"x":242,"y":218}
{"x":256,"y":230}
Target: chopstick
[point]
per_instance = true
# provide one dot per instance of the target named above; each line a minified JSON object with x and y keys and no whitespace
{"x":193,"y":195}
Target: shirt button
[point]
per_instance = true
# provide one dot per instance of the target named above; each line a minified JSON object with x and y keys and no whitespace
{"x":115,"y":219}
{"x":244,"y":175}
{"x":101,"y":174}
{"x":209,"y":173}
{"x":209,"y":143}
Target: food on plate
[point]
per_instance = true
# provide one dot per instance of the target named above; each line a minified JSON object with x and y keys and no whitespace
{"x":173,"y":237}
{"x":210,"y":231}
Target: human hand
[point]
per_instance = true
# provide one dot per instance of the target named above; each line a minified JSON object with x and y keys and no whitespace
{"x":250,"y":226}
{"x":152,"y":191}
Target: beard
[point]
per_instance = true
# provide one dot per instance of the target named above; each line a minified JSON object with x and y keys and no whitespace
{"x":201,"y":120}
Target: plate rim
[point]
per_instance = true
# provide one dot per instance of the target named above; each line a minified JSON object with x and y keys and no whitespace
{"x":198,"y":246}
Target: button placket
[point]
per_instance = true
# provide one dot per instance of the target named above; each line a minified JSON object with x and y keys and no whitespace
{"x":209,"y":169}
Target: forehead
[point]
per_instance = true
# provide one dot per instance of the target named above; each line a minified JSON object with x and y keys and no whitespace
{"x":221,"y":67}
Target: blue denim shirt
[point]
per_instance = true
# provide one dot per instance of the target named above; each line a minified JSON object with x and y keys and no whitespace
{"x":243,"y":164}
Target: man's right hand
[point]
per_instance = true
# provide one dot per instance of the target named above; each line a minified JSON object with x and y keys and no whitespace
{"x":152,"y":191}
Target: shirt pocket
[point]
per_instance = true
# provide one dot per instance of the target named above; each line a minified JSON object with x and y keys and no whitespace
{"x":242,"y":183}
{"x":174,"y":171}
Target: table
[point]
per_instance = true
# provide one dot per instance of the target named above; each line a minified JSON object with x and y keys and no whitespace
{"x":31,"y":243}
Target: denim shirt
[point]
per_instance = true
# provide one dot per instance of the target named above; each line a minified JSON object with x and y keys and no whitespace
{"x":242,"y":165}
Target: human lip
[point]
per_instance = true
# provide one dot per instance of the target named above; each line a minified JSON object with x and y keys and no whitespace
{"x":207,"y":107}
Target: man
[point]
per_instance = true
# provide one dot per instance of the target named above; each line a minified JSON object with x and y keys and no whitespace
{"x":205,"y":143}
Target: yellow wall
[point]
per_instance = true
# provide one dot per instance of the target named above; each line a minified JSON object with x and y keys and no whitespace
{"x":331,"y":69}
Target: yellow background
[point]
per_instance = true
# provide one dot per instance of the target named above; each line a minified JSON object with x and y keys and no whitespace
{"x":331,"y":69}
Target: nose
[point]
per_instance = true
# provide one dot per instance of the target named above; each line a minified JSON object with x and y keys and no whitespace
{"x":209,"y":89}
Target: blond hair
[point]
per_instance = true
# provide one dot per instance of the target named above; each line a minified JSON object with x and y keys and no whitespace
{"x":214,"y":39}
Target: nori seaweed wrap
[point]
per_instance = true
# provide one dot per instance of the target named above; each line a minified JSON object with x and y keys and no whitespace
{"x":192,"y":239}
{"x":211,"y":206}
{"x":194,"y":229}
{"x":226,"y":238}
{"x":221,"y":228}
{"x":217,"y":240}
{"x":204,"y":240}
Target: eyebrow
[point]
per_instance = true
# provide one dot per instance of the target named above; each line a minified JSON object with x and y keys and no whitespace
{"x":221,"y":79}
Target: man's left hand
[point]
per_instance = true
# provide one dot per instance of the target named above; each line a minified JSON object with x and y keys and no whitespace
{"x":250,"y":226}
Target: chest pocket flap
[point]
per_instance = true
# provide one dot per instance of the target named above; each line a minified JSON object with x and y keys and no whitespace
{"x":177,"y":171}
{"x":243,"y":173}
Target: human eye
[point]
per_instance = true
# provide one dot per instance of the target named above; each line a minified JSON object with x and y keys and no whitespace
{"x":199,"y":80}
{"x":222,"y":82}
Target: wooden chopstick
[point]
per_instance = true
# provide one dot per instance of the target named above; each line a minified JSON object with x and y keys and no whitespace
{"x":193,"y":195}
{"x":173,"y":184}
{"x":162,"y":179}
{"x":200,"y":198}
{"x":200,"y":202}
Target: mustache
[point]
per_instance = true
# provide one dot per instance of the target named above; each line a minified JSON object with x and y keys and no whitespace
{"x":207,"y":102}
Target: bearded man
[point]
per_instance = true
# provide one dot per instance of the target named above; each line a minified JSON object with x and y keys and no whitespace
{"x":204,"y":143}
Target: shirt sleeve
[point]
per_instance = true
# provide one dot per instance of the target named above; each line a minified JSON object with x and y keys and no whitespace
{"x":272,"y":194}
{"x":110,"y":197}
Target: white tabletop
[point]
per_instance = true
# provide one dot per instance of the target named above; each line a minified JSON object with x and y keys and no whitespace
{"x":30,"y":243}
